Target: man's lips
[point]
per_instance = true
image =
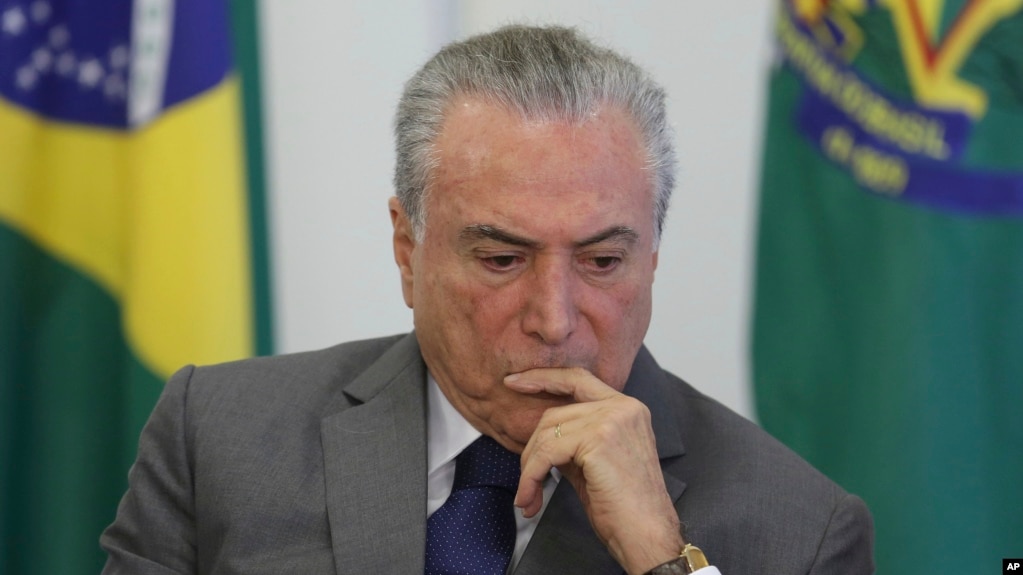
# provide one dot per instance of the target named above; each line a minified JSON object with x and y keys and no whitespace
{"x":545,"y":397}
{"x":553,"y":363}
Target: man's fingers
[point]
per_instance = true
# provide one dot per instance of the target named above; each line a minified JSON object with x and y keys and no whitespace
{"x":529,"y":496}
{"x":546,"y":449}
{"x":575,"y":382}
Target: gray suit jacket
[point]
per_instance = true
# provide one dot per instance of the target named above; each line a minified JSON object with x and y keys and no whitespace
{"x":316,"y":463}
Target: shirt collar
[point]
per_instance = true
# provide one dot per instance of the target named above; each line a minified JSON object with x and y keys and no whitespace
{"x":448,"y":433}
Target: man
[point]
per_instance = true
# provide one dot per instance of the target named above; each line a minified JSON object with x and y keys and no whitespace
{"x":534,"y":170}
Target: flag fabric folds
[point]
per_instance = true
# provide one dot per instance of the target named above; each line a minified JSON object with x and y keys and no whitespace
{"x":125,"y":249}
{"x":888,"y":313}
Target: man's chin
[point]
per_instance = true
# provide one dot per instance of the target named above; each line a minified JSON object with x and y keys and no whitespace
{"x":522,"y":420}
{"x":515,"y":439}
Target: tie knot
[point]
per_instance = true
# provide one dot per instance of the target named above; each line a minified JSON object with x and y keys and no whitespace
{"x":485,"y":462}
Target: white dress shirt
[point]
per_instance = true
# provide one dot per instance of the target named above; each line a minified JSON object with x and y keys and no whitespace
{"x":447,"y":434}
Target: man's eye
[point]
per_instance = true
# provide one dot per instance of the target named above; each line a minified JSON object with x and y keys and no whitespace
{"x":602,"y":264}
{"x":501,"y":262}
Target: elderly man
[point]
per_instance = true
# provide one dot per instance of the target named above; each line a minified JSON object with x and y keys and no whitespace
{"x":534,"y":171}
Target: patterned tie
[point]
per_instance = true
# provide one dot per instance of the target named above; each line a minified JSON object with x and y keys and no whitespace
{"x":474,"y":531}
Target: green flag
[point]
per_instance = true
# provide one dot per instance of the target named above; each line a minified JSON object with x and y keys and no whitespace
{"x":888,"y":323}
{"x":131,"y":242}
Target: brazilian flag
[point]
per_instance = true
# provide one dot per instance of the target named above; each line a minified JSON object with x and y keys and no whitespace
{"x":888,"y":325}
{"x":131,"y":243}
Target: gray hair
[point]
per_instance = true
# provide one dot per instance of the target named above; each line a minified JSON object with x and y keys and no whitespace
{"x":543,"y":73}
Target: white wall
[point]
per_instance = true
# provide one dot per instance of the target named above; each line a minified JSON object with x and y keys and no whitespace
{"x":334,"y":72}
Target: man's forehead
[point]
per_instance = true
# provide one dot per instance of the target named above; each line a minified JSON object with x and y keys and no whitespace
{"x":480,"y":135}
{"x":498,"y":176}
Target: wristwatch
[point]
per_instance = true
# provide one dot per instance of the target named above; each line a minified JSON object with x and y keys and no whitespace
{"x":688,"y":561}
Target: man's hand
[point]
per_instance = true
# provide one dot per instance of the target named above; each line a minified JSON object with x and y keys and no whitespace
{"x":604,"y":445}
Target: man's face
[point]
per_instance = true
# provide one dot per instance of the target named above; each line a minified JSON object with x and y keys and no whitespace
{"x":538,"y":252}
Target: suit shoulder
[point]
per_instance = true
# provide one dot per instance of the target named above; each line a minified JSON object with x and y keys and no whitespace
{"x":340,"y":357}
{"x":307,"y":378}
{"x":741,"y":479}
{"x":713,"y":431}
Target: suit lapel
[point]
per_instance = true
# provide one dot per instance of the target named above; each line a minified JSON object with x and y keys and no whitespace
{"x":375,"y":467}
{"x":564,"y":542}
{"x":648,"y":384}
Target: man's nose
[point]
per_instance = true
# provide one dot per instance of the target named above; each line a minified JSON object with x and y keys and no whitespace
{"x":551,"y":313}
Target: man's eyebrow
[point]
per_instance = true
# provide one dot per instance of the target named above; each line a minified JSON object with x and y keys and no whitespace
{"x":622,"y":234}
{"x":487,"y":232}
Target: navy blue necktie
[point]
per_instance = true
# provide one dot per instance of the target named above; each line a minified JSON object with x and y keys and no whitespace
{"x":474,"y":531}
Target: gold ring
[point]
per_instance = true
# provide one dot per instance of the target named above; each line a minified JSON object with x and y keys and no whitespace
{"x":557,"y":431}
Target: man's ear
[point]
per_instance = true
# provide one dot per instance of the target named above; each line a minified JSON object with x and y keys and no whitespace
{"x":404,"y":247}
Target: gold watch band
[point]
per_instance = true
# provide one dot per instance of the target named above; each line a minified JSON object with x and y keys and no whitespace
{"x":693,"y":557}
{"x":688,"y":561}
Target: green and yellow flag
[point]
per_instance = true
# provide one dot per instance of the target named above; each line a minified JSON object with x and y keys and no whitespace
{"x":888,"y":321}
{"x":126,"y":248}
